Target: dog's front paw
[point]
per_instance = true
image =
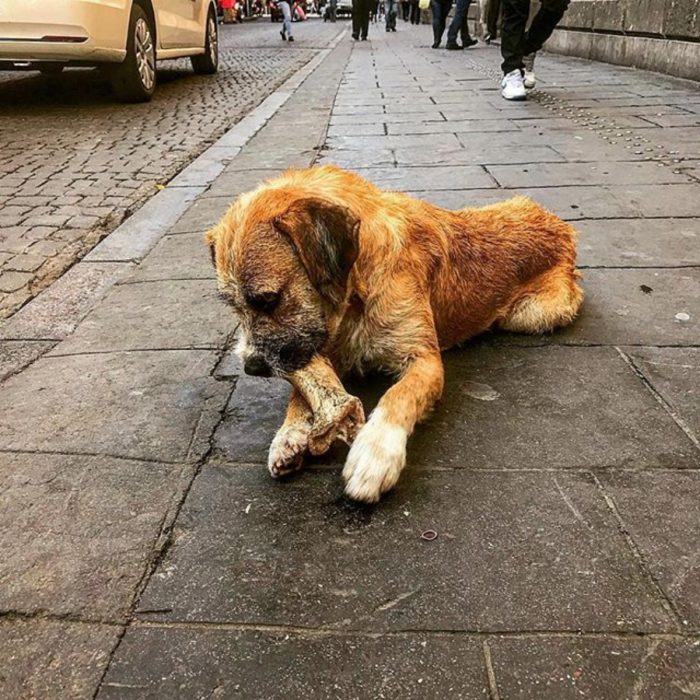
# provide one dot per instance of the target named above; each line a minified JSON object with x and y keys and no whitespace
{"x":375,"y":460}
{"x":287,"y":449}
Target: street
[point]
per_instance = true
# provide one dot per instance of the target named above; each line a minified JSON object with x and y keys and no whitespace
{"x":147,"y":552}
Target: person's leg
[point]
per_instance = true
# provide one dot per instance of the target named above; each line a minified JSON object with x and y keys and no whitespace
{"x":515,"y":13}
{"x":356,"y":12}
{"x":458,"y":20}
{"x":286,"y":18}
{"x":364,"y":25}
{"x":543,"y":24}
{"x":464,"y":28}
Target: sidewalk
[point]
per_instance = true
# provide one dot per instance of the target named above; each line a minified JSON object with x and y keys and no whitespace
{"x":147,"y":553}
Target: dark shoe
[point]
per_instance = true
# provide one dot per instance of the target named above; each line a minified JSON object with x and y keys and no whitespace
{"x":436,"y":45}
{"x":469,"y":42}
{"x":393,"y":29}
{"x":356,"y":37}
{"x":291,"y":38}
{"x":283,"y":35}
{"x":453,"y":46}
{"x":364,"y":38}
{"x":388,"y":29}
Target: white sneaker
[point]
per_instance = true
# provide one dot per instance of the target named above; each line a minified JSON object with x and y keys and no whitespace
{"x":512,"y":84}
{"x":529,"y":79}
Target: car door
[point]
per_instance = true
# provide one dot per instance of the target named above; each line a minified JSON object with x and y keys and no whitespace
{"x":179,"y":23}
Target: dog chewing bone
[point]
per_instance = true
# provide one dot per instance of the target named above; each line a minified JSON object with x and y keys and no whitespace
{"x":337,"y":414}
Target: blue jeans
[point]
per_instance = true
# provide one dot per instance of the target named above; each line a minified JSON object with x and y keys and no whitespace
{"x":459,"y":22}
{"x":441,"y":8}
{"x":286,"y":17}
{"x":390,"y":13}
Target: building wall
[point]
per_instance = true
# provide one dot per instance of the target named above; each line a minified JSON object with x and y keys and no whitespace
{"x":659,"y":35}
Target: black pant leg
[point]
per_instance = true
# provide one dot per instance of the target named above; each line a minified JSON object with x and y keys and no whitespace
{"x":356,"y":17}
{"x":543,"y":24}
{"x":464,"y":29}
{"x":367,"y":11}
{"x":515,"y":13}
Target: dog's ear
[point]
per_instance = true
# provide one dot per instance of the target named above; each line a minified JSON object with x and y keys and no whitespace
{"x":325,"y":236}
{"x":210,"y":238}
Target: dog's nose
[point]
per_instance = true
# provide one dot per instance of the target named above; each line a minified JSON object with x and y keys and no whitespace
{"x":256,"y":366}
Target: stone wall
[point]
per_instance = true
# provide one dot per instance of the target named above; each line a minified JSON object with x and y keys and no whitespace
{"x":659,"y":35}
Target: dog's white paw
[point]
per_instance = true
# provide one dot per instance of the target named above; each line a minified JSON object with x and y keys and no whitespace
{"x":287,"y":449}
{"x":376,"y":459}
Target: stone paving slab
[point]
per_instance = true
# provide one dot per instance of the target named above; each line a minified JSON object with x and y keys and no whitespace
{"x":148,"y":316}
{"x":561,"y":174}
{"x":77,"y":533}
{"x":234,"y":182}
{"x":465,"y":125}
{"x":545,"y":398}
{"x":586,"y":201}
{"x":675,"y":374}
{"x":637,"y":307}
{"x":52,"y":659}
{"x":162,"y":405}
{"x":568,"y":668}
{"x":202,"y":215}
{"x":187,"y":663}
{"x":179,"y":257}
{"x":661,"y":511}
{"x":439,"y":177}
{"x":254,"y":413}
{"x":639,"y":242}
{"x":527,"y":550}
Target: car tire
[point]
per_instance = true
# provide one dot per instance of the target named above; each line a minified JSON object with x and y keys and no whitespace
{"x":207,"y":63}
{"x":51,"y":68}
{"x":134,"y":80}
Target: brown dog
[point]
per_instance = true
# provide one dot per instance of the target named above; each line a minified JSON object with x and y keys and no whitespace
{"x":322,"y":261}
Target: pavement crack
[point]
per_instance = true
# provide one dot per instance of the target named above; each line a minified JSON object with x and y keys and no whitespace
{"x":676,"y":417}
{"x":398,"y":599}
{"x":490,"y":673}
{"x":656,"y":588}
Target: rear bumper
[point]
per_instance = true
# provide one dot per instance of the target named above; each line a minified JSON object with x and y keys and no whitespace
{"x":64,"y":30}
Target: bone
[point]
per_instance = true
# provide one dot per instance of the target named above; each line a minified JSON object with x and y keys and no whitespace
{"x":337,"y":414}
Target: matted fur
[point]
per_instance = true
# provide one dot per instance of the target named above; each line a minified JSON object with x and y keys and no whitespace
{"x":379,"y":280}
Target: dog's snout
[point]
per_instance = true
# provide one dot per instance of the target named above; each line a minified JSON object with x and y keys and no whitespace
{"x":256,"y":366}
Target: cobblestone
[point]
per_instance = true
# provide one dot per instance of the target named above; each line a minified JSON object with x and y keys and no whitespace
{"x":75,"y":159}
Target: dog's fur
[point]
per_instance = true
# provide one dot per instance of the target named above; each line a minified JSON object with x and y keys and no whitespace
{"x":322,"y":261}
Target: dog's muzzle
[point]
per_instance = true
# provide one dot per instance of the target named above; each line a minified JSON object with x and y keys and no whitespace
{"x":256,"y":366}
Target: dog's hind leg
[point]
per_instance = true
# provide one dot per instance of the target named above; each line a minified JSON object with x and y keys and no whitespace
{"x":549,"y":301}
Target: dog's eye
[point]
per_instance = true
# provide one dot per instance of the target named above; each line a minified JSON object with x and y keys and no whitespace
{"x":266,"y":302}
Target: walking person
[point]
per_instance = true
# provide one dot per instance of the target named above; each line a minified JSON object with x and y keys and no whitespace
{"x":332,"y":10}
{"x":441,"y":9}
{"x":286,"y":31}
{"x":361,"y":10}
{"x":390,"y":15}
{"x":460,"y":25}
{"x":415,"y":12}
{"x":405,"y":8}
{"x":518,"y":47}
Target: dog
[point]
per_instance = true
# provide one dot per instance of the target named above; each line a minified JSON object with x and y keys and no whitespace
{"x":321,"y":261}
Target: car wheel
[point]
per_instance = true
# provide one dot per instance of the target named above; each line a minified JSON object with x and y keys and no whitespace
{"x":51,"y":68}
{"x":134,"y":80}
{"x":207,"y":63}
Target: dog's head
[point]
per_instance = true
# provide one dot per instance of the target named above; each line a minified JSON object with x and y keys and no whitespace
{"x":283,"y":262}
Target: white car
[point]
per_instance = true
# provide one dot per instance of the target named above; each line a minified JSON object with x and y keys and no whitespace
{"x":124,"y":37}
